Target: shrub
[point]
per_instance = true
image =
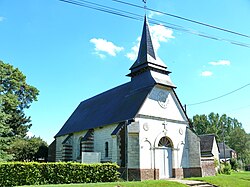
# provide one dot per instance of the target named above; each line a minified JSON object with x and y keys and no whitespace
{"x":21,"y":173}
{"x":225,"y":168}
{"x":234,"y":164}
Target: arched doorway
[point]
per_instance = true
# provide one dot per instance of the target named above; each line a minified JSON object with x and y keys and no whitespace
{"x":164,"y":157}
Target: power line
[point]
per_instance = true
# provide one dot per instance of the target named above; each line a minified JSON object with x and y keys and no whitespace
{"x":183,"y":18}
{"x":134,"y":16}
{"x":206,"y":101}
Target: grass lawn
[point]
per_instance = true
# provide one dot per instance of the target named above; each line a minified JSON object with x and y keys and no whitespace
{"x":236,"y":179}
{"x":154,"y":183}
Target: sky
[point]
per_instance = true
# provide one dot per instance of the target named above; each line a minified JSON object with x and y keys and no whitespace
{"x":71,"y":53}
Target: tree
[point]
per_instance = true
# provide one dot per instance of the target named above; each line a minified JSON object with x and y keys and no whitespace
{"x":16,"y":95}
{"x":224,"y":128}
{"x":29,"y":149}
{"x":221,"y":126}
{"x":4,"y":139}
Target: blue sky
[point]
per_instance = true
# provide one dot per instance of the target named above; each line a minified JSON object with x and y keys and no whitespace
{"x":71,"y":53}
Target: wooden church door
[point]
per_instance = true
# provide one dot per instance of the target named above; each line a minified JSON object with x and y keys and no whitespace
{"x":164,"y":158}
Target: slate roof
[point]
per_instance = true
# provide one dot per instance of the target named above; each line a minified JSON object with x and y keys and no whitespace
{"x":228,"y":150}
{"x":206,"y":144}
{"x":146,"y":56}
{"x":113,"y":106}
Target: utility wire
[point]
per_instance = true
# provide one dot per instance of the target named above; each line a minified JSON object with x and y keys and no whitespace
{"x":134,"y":16}
{"x":206,"y":101}
{"x":186,"y":19}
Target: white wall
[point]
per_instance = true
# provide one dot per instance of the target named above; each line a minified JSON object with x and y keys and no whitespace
{"x":102,"y":135}
{"x":162,"y":105}
{"x":59,"y":147}
{"x":215,"y":150}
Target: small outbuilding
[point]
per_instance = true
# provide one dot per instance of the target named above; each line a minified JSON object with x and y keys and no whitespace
{"x":226,"y":153}
{"x":209,"y":154}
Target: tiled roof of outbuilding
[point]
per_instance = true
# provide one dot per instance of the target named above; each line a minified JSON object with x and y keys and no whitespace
{"x":206,"y":144}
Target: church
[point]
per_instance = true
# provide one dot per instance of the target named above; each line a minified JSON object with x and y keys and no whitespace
{"x":140,"y":125}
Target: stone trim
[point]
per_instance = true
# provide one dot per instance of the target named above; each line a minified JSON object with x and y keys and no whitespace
{"x":136,"y":174}
{"x":177,"y":173}
{"x":161,"y":119}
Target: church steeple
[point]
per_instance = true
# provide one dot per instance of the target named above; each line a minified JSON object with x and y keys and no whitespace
{"x":147,"y":59}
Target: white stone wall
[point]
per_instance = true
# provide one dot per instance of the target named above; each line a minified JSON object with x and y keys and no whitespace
{"x":76,"y":145}
{"x":59,"y":147}
{"x":151,"y":131}
{"x":215,"y":150}
{"x":161,"y":106}
{"x":102,"y":135}
{"x":161,"y":102}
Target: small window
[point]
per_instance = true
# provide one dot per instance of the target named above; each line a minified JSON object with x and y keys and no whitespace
{"x":106,"y":149}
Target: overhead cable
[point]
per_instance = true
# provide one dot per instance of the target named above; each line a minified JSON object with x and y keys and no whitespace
{"x":206,"y":101}
{"x":183,"y":18}
{"x":134,"y":16}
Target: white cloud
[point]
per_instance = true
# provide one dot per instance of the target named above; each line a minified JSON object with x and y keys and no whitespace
{"x":220,"y":62}
{"x":102,"y":56}
{"x":206,"y":73}
{"x":159,"y":34}
{"x":153,"y":13}
{"x":102,"y":45}
{"x":1,"y":18}
{"x":134,"y":50}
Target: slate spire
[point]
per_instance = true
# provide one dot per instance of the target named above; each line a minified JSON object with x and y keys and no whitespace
{"x":146,"y":59}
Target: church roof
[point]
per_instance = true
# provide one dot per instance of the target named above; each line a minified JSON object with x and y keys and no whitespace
{"x":113,"y":106}
{"x":123,"y":102}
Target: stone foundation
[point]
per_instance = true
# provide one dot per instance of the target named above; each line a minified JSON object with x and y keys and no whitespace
{"x":139,"y":174}
{"x":208,"y":168}
{"x":177,"y":173}
{"x":192,"y":172}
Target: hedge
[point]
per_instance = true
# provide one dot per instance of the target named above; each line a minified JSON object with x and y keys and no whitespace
{"x":32,"y":173}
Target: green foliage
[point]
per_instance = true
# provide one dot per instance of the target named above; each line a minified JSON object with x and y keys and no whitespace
{"x":16,"y":95}
{"x":227,"y":128}
{"x":21,"y":173}
{"x":4,"y":139}
{"x":29,"y":149}
{"x":216,"y":163}
{"x":234,"y":164}
{"x":225,"y":168}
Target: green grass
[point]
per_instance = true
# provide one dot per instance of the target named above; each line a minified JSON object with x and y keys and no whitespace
{"x":236,"y":179}
{"x":154,"y":183}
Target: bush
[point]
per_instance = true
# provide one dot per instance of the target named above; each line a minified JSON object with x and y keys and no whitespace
{"x":22,"y":173}
{"x":225,"y":168}
{"x":234,"y":164}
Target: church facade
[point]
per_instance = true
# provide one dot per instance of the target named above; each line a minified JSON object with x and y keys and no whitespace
{"x":140,"y":125}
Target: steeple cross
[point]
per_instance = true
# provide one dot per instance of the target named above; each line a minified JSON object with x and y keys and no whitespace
{"x":164,"y":123}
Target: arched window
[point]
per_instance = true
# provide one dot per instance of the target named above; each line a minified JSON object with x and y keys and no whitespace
{"x":106,"y":149}
{"x":165,"y":142}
